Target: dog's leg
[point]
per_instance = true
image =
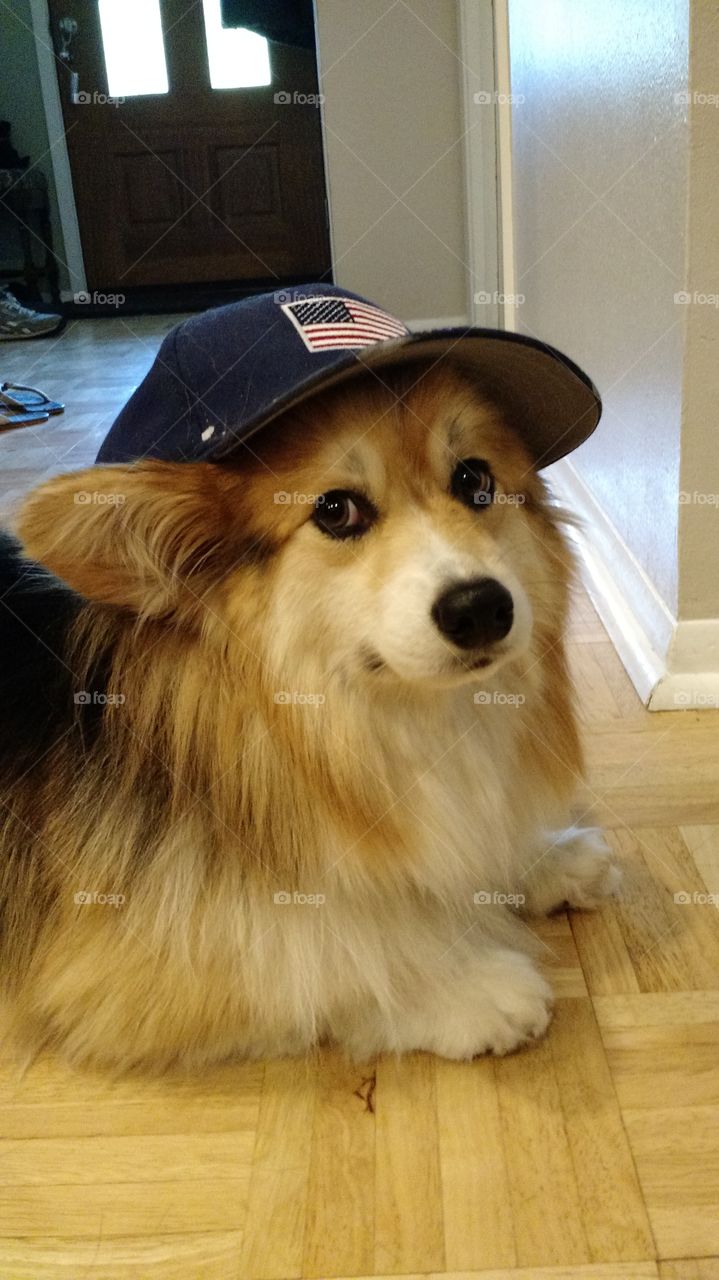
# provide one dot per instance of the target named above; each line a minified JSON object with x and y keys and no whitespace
{"x":574,"y":869}
{"x":494,"y":1003}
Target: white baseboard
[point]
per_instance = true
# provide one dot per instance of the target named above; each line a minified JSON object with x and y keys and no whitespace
{"x":438,"y":322}
{"x":672,"y":665}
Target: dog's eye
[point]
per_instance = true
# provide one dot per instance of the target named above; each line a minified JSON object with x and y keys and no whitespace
{"x":342,"y":514}
{"x":473,"y":483}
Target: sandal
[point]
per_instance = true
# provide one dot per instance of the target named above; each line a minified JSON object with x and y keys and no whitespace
{"x":7,"y":421}
{"x":15,"y":396}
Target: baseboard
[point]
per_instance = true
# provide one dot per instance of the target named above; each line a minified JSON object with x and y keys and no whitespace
{"x":672,"y":665}
{"x":438,"y":322}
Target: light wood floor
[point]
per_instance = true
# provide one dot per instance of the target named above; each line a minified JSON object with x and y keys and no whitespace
{"x":595,"y":1154}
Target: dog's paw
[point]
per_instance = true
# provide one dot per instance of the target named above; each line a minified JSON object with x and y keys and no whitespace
{"x":578,"y":870}
{"x":512,"y":1007}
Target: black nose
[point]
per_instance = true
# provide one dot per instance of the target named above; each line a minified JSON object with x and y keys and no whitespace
{"x":475,"y":613}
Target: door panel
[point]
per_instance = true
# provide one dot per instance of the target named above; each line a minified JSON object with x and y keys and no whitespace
{"x":196,"y":184}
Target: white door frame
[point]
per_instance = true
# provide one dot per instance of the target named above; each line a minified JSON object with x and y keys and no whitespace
{"x":58,"y":149}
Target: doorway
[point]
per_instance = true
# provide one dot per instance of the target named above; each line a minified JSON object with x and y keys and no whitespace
{"x":195,"y":149}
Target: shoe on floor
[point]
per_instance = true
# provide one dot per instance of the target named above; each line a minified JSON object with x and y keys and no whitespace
{"x":17,"y":321}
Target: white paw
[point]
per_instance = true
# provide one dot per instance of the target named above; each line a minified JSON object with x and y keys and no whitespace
{"x":510,"y":1004}
{"x":583,"y":869}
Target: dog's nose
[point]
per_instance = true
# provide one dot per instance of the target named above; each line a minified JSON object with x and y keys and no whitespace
{"x":474,"y":613}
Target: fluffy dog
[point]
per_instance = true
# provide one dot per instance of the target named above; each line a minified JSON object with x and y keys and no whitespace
{"x":289,"y":741}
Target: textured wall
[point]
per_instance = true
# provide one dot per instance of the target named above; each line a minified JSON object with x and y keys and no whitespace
{"x":392,"y":114}
{"x":600,"y":194}
{"x":699,"y":517}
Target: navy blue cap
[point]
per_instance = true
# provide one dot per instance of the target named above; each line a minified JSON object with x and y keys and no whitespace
{"x":222,"y":375}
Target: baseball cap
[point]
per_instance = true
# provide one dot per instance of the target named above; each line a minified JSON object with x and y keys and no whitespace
{"x":220,"y":376}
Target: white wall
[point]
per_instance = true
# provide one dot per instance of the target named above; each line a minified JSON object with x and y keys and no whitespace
{"x":600,"y":191}
{"x":392,"y":80}
{"x":21,"y":103}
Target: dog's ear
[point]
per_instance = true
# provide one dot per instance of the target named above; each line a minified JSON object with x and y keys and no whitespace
{"x":150,"y":537}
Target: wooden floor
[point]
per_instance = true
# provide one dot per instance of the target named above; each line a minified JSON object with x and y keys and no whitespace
{"x":595,"y":1154}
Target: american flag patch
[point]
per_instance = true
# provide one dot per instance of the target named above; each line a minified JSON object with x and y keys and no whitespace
{"x":341,"y":324}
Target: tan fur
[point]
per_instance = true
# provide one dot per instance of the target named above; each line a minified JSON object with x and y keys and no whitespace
{"x":397,"y":798}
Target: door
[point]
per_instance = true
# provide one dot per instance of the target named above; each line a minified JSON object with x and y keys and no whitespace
{"x":195,"y":150}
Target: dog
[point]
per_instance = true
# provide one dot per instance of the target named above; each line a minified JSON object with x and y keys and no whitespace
{"x":289,"y":744}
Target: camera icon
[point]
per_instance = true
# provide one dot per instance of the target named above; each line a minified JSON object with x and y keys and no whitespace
{"x":683,"y":898}
{"x":483,"y":298}
{"x":81,"y":98}
{"x":682,"y":99}
{"x":283,"y":497}
{"x":682,"y":297}
{"x":483,"y":98}
{"x":283,"y":98}
{"x":682,"y":698}
{"x":82,"y":299}
{"x":482,"y":898}
{"x":283,"y":697}
{"x":82,"y":497}
{"x":82,"y":698}
{"x":282,"y":898}
{"x":482,"y":697}
{"x":282,"y":296}
{"x":82,"y":898}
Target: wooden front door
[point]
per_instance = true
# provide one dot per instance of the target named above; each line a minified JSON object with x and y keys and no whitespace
{"x":196,"y":184}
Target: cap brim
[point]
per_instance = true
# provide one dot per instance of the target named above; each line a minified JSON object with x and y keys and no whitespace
{"x":551,"y":404}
